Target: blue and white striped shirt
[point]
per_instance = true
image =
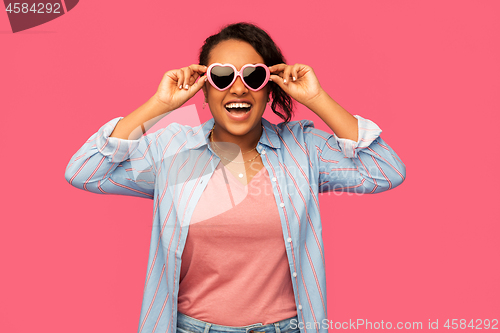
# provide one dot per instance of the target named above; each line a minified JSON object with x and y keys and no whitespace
{"x":173,"y":165}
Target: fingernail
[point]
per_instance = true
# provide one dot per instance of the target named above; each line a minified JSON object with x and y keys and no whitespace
{"x":186,"y":86}
{"x":284,"y":81}
{"x":180,"y":87}
{"x":294,"y":78}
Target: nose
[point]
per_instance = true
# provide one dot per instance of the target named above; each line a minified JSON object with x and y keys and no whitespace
{"x":238,"y":88}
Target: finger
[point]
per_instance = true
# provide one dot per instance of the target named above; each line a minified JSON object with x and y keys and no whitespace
{"x":187,"y":75}
{"x":294,"y":72}
{"x":279,"y":81}
{"x":286,"y":75}
{"x":180,"y":78}
{"x":196,"y":72}
{"x":277,"y":68}
{"x":193,"y":89}
{"x":185,"y":71}
{"x":201,"y":81}
{"x":200,"y":69}
{"x":192,"y":76}
{"x":192,"y":79}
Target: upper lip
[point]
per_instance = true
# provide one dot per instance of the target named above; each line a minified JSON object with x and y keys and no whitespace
{"x":238,"y":101}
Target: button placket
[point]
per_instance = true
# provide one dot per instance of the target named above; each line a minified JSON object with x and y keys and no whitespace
{"x":282,"y":205}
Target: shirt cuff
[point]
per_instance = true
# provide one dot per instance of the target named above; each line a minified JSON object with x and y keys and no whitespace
{"x":115,"y":149}
{"x":368,"y":131}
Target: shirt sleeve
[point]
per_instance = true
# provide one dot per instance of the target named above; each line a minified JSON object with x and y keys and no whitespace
{"x":367,"y":166}
{"x":109,"y":165}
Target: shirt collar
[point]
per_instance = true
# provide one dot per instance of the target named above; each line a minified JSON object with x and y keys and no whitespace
{"x":198,"y":136}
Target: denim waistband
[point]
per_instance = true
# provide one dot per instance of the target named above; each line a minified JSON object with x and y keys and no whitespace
{"x":192,"y":325}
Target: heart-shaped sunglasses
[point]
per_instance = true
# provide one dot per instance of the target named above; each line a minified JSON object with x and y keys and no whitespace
{"x":222,"y":76}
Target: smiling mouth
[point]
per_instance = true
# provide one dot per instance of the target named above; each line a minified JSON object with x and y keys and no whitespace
{"x":238,"y":108}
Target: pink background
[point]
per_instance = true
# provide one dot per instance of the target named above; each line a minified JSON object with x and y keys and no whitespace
{"x":427,"y":72}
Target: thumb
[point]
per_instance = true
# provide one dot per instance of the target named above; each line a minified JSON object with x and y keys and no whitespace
{"x":201,"y":81}
{"x":279,"y":81}
{"x":198,"y":85}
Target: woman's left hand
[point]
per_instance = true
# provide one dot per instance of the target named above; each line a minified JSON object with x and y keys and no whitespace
{"x":298,"y":81}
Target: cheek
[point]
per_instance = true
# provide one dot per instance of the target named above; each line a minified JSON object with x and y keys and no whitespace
{"x":215,"y":96}
{"x":261,"y":97}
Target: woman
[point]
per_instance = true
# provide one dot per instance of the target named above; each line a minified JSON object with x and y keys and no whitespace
{"x":246,"y":189}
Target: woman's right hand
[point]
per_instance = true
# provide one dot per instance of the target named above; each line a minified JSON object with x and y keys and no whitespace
{"x":179,"y":85}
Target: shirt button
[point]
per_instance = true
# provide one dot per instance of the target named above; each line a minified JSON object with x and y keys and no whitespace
{"x":274,"y":179}
{"x":289,"y":240}
{"x":263,"y":151}
{"x":300,"y":307}
{"x":282,"y":204}
{"x":294,"y":274}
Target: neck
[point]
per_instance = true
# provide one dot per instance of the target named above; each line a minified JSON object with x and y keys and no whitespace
{"x":235,"y":143}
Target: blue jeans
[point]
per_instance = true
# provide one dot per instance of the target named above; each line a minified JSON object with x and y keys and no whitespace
{"x":186,"y":324}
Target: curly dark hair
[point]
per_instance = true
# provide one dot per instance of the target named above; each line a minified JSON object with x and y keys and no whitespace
{"x":264,"y":46}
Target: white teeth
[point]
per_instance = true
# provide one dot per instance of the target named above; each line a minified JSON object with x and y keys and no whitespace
{"x":238,"y":105}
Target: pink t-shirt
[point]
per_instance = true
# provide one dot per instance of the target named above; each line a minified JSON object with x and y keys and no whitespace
{"x":234,"y":266}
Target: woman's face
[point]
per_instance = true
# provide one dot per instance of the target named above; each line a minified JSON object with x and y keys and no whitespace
{"x":237,"y":53}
